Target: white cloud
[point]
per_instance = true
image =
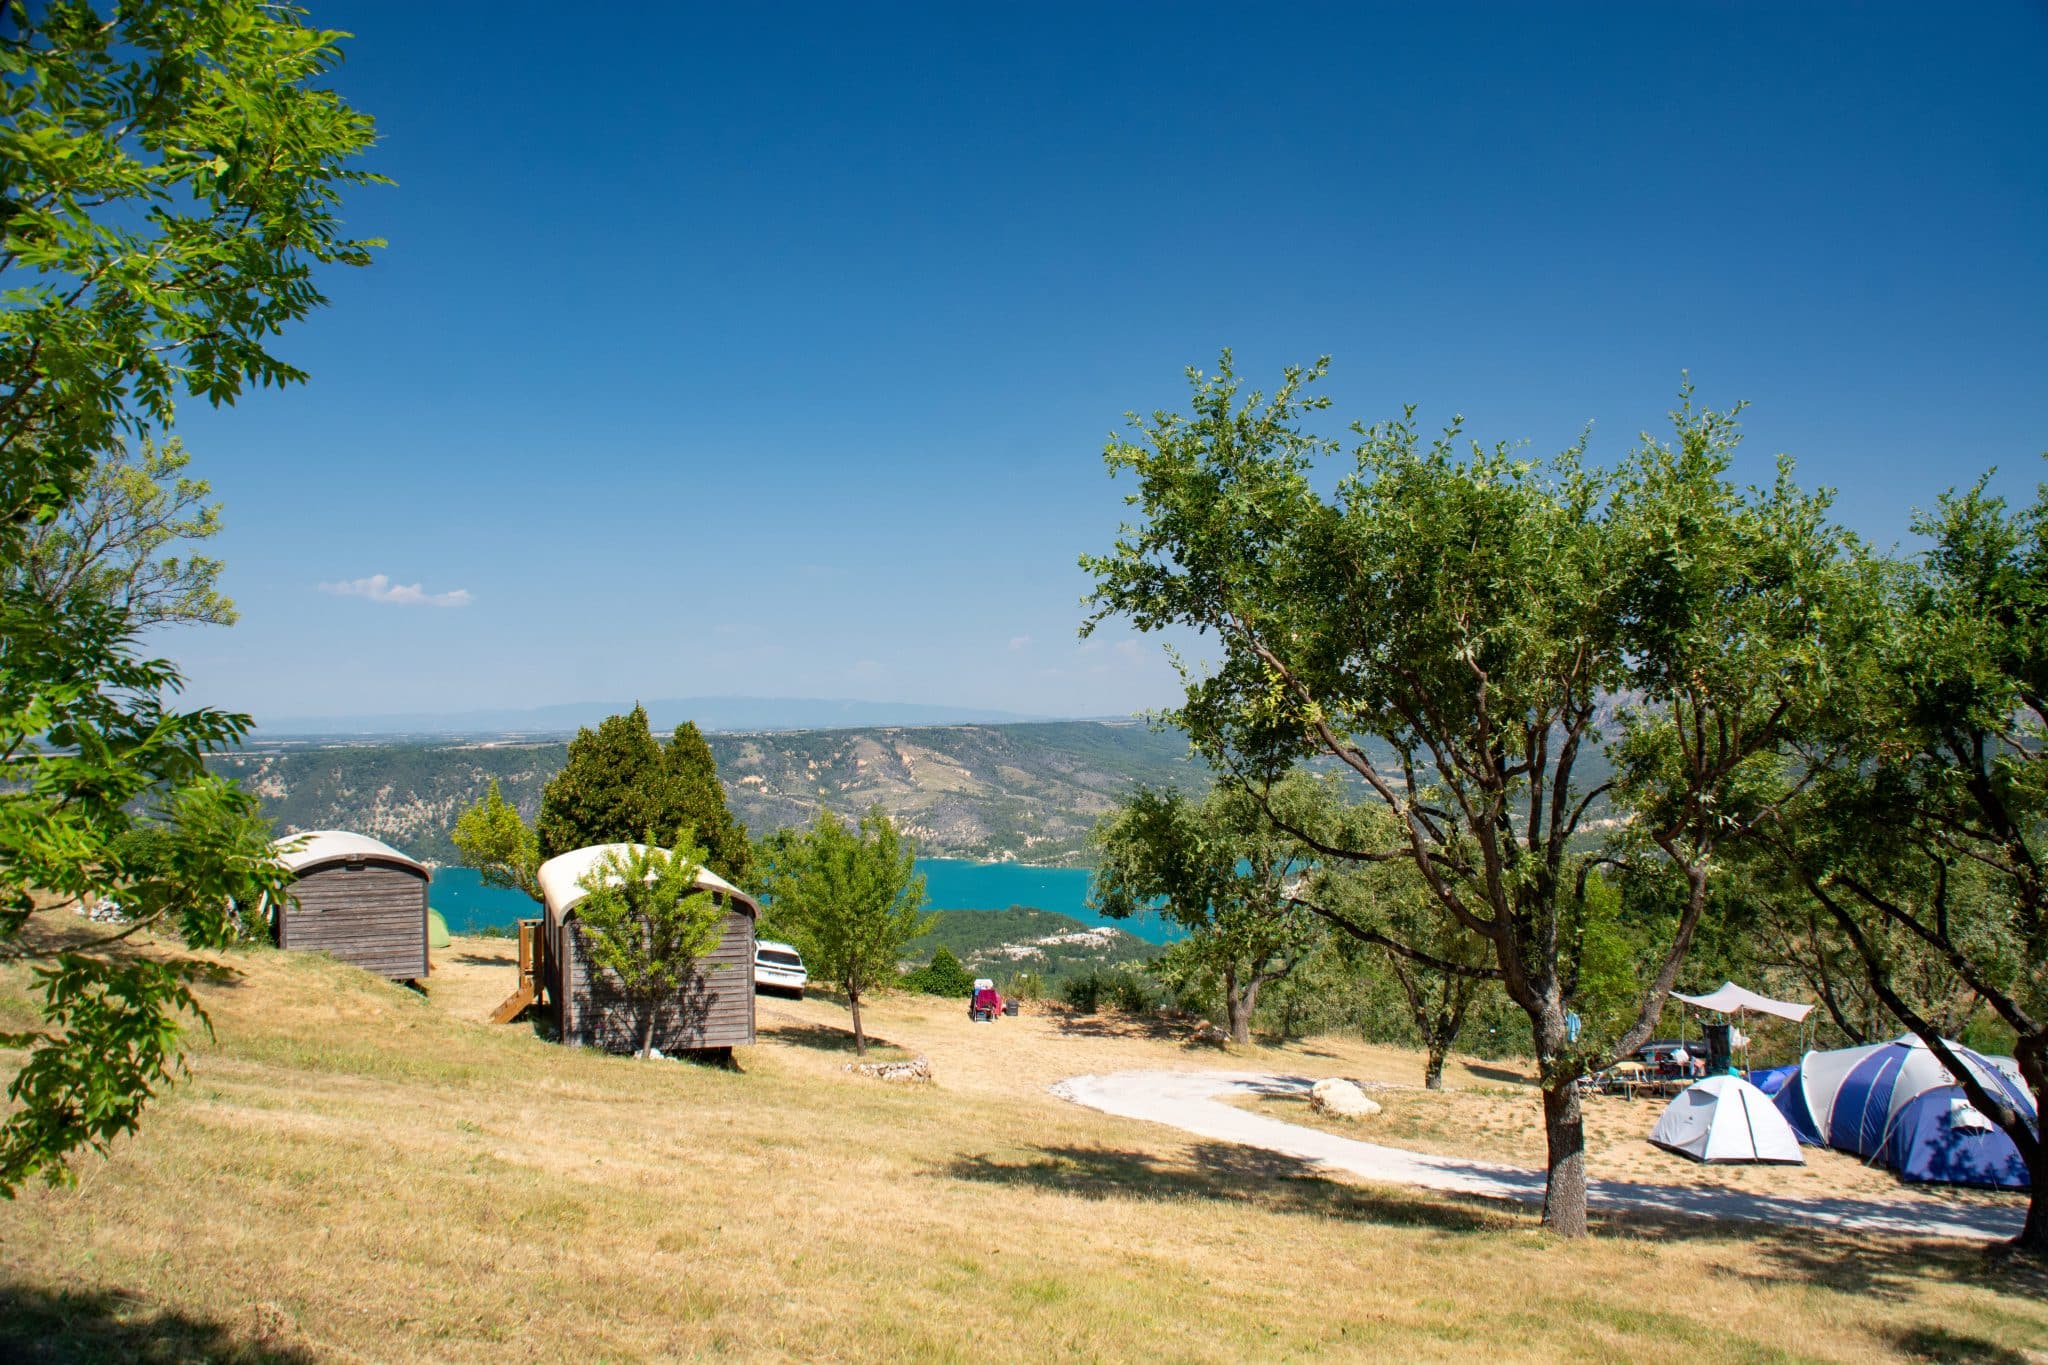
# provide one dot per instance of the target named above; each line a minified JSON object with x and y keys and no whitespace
{"x":379,"y":588}
{"x":1018,"y":642}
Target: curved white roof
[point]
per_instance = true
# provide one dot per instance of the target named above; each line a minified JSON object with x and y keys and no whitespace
{"x":559,"y":877}
{"x":318,"y":846}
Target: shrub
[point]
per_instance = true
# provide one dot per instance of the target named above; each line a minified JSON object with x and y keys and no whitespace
{"x":1085,"y":991}
{"x":1119,"y":989}
{"x":1025,"y":986}
{"x":943,"y":975}
{"x":1132,"y":993}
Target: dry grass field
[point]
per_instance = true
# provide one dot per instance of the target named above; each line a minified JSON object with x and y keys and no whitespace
{"x":356,"y":1171}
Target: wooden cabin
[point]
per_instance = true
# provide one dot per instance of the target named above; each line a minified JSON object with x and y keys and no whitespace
{"x":356,"y":899}
{"x":713,"y":1008}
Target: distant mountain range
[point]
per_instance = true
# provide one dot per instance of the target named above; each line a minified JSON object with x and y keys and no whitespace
{"x":722,"y":714}
{"x":1014,"y":792}
{"x":1028,"y":793}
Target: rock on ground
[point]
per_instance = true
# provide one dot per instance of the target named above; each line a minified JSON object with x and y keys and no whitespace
{"x":1208,"y":1034}
{"x":1342,"y":1099}
{"x":916,"y":1071}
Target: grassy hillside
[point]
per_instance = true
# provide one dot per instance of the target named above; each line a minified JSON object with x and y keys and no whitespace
{"x":1029,"y":792}
{"x":359,"y":1172}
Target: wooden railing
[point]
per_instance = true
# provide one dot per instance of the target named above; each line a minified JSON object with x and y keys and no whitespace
{"x":532,"y":950}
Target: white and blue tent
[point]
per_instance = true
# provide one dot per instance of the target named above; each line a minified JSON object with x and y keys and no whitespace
{"x":1940,"y":1138}
{"x":1897,"y":1103}
{"x":1725,"y":1118}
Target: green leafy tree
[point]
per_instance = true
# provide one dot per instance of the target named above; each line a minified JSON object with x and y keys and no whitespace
{"x":110,"y":542}
{"x":849,"y":898}
{"x":618,"y":779}
{"x":1919,"y":822}
{"x":1775,"y":935}
{"x":646,"y":922}
{"x":613,"y":787}
{"x":771,"y":849}
{"x":1441,"y":967}
{"x":1454,"y":624}
{"x":698,"y":800}
{"x":1222,"y":871}
{"x":943,"y":975}
{"x":495,"y":839}
{"x":170,"y":176}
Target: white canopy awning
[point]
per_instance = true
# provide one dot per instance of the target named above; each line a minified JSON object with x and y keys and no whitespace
{"x":1733,"y":999}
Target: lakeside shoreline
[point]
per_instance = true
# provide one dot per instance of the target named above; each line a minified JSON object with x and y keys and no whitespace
{"x":951,"y":884}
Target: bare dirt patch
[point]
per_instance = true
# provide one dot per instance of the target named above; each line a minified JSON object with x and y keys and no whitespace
{"x":472,"y":976}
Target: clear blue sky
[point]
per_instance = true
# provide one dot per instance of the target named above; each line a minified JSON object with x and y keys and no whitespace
{"x":738,"y":350}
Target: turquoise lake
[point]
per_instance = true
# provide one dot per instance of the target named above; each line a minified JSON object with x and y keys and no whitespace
{"x":460,"y":895}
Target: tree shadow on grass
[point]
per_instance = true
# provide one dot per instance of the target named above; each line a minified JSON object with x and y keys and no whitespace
{"x":488,"y":959}
{"x":1225,"y":1173}
{"x":821,"y":1038}
{"x":42,"y":1324}
{"x":1249,"y":1177}
{"x":1885,"y":1269}
{"x":1929,"y":1341}
{"x":1497,"y":1073}
{"x":1113,"y":1025}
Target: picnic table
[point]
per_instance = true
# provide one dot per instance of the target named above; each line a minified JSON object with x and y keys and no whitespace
{"x":1630,"y":1079}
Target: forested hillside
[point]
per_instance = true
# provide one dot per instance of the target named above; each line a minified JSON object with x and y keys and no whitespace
{"x":1029,"y":792}
{"x":1050,"y":946}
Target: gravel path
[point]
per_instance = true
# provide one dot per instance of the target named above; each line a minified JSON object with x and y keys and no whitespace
{"x":1193,"y":1101}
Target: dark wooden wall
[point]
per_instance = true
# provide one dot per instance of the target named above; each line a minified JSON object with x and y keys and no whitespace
{"x":714,"y":1008}
{"x":372,"y":914}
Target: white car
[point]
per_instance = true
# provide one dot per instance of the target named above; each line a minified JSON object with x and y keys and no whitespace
{"x":780,"y":968}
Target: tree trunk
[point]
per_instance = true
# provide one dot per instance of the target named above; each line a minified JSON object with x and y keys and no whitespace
{"x":2032,"y":1053}
{"x":1433,"y":1071}
{"x":1240,"y":1020}
{"x":2033,"y":1238}
{"x":860,"y":1040}
{"x":1239,"y":1004}
{"x":1564,"y":1132}
{"x":647,"y":1013}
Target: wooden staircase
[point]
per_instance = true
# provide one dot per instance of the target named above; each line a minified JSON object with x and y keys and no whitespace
{"x":529,"y":990}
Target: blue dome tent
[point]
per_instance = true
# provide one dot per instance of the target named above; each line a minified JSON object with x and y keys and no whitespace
{"x":1772,"y":1079}
{"x":1895,"y":1102}
{"x":1940,"y":1138}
